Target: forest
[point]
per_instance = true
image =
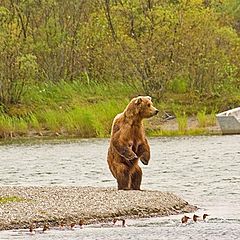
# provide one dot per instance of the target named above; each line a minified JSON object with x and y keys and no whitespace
{"x":67,"y":67}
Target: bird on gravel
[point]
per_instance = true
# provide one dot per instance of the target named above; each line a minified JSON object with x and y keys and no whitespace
{"x":123,"y":221}
{"x":45,"y":227}
{"x":205,"y":216}
{"x":61,"y":225}
{"x":81,"y":223}
{"x":185,"y":219}
{"x":72,"y":225}
{"x":31,"y":229}
{"x":195,"y":217}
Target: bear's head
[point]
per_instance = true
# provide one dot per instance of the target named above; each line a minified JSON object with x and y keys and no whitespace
{"x":142,"y":107}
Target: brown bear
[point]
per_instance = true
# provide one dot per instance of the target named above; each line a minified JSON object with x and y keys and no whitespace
{"x":128,"y":143}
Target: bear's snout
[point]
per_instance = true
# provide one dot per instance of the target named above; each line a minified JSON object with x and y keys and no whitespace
{"x":155,"y":111}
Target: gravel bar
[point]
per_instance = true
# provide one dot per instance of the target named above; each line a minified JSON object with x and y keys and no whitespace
{"x":55,"y":204}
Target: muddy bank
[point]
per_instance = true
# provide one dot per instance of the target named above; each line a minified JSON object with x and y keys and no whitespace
{"x":53,"y":205}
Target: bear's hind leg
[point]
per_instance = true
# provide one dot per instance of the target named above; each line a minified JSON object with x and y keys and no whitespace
{"x":136,"y":178}
{"x":123,"y":179}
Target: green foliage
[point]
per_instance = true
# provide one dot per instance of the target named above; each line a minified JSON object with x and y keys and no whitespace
{"x":81,"y":122}
{"x":232,"y":7}
{"x":20,"y":126}
{"x":182,"y":121}
{"x":179,"y":85}
{"x":9,"y":126}
{"x":88,"y":111}
{"x":202,"y":118}
{"x":173,"y":133}
{"x":191,"y":46}
{"x":205,"y":119}
{"x":50,"y":120}
{"x":105,"y":113}
{"x":34,"y":123}
{"x":67,"y":109}
{"x":92,"y":120}
{"x":71,"y":66}
{"x":212,"y":119}
{"x":6,"y":126}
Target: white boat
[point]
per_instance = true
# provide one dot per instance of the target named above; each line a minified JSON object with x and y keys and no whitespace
{"x":229,"y":121}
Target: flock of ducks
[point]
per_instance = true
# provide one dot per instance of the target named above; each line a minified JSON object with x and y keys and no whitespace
{"x":195,"y":218}
{"x":63,"y":226}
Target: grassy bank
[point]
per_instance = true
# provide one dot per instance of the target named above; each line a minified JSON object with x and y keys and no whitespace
{"x":74,"y":109}
{"x":70,"y":109}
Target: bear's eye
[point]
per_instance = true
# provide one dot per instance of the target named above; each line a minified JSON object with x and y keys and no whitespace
{"x":149,"y":105}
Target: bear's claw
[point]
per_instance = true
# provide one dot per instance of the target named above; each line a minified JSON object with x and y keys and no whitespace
{"x":145,"y":162}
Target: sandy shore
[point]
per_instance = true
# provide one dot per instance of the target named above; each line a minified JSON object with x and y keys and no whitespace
{"x":70,"y":204}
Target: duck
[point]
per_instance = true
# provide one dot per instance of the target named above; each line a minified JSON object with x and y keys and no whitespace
{"x":62,"y":224}
{"x":185,"y":219}
{"x":45,"y":227}
{"x":72,"y":225}
{"x":205,"y":216}
{"x":31,"y":229}
{"x":81,"y":223}
{"x":195,"y":217}
{"x":121,"y":219}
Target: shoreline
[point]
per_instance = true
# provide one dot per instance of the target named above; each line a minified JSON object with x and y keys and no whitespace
{"x":57,"y":204}
{"x":156,"y":127}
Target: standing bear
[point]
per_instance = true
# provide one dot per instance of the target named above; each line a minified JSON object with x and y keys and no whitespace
{"x":128,"y":143}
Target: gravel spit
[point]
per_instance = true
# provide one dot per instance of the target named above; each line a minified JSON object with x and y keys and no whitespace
{"x":56,"y":204}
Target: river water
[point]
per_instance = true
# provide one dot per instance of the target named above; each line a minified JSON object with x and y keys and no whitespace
{"x":203,"y":170}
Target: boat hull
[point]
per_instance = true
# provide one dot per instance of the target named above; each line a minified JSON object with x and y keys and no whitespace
{"x":229,"y":124}
{"x":229,"y":121}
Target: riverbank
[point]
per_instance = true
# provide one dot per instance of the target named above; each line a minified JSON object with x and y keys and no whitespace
{"x":155,"y":127}
{"x":22,"y":206}
{"x":160,"y":127}
{"x":87,"y":111}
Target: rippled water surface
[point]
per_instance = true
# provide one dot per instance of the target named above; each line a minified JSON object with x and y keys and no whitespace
{"x":203,"y":170}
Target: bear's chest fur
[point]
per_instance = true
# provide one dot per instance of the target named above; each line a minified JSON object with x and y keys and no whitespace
{"x":135,"y":137}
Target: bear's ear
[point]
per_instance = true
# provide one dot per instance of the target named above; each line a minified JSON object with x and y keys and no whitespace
{"x":149,"y":98}
{"x":138,"y":100}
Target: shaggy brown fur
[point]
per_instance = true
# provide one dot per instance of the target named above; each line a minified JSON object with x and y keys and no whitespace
{"x":128,"y":143}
